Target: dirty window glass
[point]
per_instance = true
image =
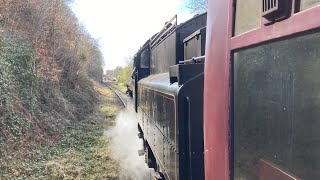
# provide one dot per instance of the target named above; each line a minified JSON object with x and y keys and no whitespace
{"x":277,"y":109}
{"x":306,"y":4}
{"x":248,"y":15}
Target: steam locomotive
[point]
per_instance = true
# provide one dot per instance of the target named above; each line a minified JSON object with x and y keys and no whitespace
{"x":168,"y":93}
{"x":258,"y":96}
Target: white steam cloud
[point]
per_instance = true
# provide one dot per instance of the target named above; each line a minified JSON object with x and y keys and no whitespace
{"x":125,"y":146}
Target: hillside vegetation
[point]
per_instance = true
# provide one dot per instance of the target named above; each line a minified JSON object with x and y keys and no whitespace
{"x":82,"y":150}
{"x":47,"y":63}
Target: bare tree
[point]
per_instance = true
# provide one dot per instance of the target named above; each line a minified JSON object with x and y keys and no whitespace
{"x":197,"y":6}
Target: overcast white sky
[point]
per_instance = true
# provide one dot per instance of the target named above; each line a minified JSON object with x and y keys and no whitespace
{"x":122,"y":26}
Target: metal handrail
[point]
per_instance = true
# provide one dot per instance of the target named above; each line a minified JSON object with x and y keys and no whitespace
{"x":165,"y":29}
{"x":193,"y":60}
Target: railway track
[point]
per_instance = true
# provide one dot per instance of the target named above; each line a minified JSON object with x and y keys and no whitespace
{"x":117,"y":92}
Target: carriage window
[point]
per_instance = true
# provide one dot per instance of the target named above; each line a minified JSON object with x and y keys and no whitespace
{"x":306,"y":4}
{"x":277,"y":110}
{"x":248,"y":15}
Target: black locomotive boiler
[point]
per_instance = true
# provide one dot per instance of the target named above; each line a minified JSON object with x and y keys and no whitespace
{"x":168,"y":95}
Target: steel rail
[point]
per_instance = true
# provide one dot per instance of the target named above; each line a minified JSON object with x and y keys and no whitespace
{"x":113,"y":89}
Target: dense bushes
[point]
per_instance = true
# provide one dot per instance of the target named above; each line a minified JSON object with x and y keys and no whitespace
{"x":46,"y":65}
{"x":18,"y":87}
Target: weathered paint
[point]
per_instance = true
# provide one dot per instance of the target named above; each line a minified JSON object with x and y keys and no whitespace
{"x":216,"y":93}
{"x":217,"y":76}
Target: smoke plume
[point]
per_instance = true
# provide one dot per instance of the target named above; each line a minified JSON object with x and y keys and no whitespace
{"x":125,"y":146}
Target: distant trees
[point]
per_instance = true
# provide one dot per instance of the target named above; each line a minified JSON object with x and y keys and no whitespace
{"x":197,"y":6}
{"x":123,"y":74}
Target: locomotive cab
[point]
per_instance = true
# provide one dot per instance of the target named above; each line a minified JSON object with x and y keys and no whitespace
{"x":141,"y":69}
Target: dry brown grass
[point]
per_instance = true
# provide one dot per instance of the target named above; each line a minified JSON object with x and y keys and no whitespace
{"x":81,"y":152}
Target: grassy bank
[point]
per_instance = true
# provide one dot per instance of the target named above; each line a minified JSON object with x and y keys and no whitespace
{"x":80,"y":152}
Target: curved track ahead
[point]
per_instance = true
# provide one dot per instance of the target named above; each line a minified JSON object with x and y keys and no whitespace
{"x":117,"y":92}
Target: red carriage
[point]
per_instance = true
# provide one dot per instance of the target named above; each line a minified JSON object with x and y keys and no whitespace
{"x":261,"y":97}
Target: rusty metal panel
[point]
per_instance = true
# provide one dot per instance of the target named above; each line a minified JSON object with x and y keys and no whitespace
{"x":277,"y":107}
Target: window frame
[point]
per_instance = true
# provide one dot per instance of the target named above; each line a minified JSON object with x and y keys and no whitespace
{"x":296,"y":23}
{"x":218,"y":75}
